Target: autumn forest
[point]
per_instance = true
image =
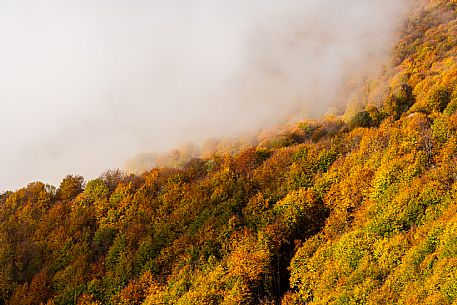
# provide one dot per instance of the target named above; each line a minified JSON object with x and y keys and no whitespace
{"x":357,"y":208}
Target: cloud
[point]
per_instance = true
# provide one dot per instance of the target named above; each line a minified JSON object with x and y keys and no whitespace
{"x":87,"y":84}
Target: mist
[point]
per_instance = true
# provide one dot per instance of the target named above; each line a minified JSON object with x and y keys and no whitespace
{"x":85,"y":85}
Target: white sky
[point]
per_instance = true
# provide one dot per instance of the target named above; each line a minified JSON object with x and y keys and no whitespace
{"x":86,"y":84}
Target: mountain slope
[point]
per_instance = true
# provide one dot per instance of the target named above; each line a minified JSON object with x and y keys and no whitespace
{"x":327,"y":212}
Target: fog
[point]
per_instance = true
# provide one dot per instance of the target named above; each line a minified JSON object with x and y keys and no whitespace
{"x":87,"y":84}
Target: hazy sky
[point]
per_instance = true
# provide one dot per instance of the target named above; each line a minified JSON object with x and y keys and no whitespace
{"x":86,"y":84}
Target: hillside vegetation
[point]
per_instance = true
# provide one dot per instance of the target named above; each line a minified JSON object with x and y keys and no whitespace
{"x":362,"y":211}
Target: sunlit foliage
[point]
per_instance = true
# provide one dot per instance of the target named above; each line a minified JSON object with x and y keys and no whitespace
{"x":325,"y":212}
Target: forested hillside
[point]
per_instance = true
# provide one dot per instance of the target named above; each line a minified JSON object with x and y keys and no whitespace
{"x":355,"y":211}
